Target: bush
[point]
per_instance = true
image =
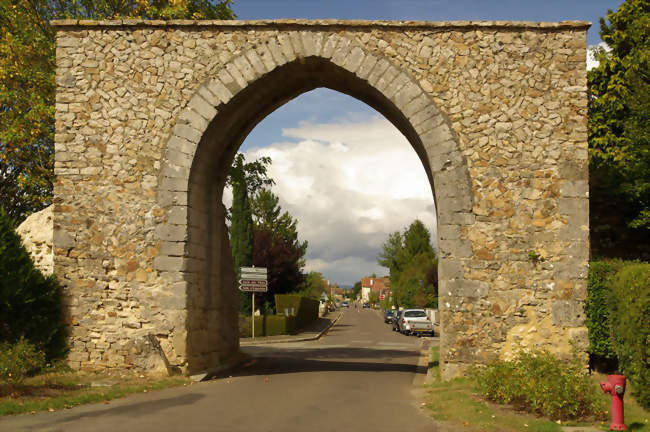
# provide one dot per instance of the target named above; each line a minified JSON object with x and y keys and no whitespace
{"x":305,"y":309}
{"x":540,"y":383}
{"x":19,"y":360}
{"x":630,"y":320}
{"x":267,"y":325}
{"x":597,"y":309}
{"x":30,"y":304}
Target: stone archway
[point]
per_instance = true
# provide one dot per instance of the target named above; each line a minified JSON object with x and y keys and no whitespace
{"x":150,"y":114}
{"x":219,"y":116}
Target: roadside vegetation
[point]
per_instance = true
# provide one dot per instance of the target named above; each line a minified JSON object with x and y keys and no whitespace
{"x":56,"y":387}
{"x":461,"y":403}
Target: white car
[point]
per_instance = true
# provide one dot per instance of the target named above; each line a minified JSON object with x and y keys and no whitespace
{"x":415,"y":321}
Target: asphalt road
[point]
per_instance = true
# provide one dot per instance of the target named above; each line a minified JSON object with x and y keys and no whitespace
{"x":359,"y":377}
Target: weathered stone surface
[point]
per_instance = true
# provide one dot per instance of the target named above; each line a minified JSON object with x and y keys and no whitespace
{"x":36,"y":232}
{"x":148,"y":114}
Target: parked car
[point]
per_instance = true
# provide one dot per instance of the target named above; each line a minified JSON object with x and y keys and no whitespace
{"x":388,"y":316}
{"x":396,"y":319}
{"x":415,"y":321}
{"x":345,"y":304}
{"x":366,"y":305}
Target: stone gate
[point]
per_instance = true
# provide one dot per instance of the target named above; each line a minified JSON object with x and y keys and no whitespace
{"x":149,"y":115}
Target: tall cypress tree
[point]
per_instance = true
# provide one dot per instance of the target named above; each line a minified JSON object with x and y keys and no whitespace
{"x":241,"y":227}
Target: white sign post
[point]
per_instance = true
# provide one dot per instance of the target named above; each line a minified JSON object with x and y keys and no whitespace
{"x":253,"y":279}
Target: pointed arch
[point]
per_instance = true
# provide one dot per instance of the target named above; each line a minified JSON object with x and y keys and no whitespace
{"x":194,"y":251}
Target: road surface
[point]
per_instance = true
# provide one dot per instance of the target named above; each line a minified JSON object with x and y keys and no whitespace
{"x":359,"y":377}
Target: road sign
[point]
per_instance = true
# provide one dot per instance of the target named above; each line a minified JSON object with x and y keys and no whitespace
{"x":381,"y":297}
{"x":257,"y":270}
{"x":253,"y":279}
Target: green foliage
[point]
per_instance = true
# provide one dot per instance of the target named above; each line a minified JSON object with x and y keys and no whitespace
{"x":30,"y":304}
{"x":267,"y":325}
{"x":313,"y":285}
{"x":413,"y":266}
{"x":597,"y":307}
{"x":540,"y":383}
{"x":246,"y":178}
{"x":305,"y":309}
{"x":355,"y":290}
{"x":277,"y":246}
{"x":630,"y":322}
{"x":619,"y":137}
{"x":19,"y":360}
{"x":27,"y":87}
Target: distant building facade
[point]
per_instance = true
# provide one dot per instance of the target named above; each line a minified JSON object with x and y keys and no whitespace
{"x":374,"y":285}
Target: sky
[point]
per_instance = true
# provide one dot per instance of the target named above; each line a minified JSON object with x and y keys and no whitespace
{"x":341,"y":169}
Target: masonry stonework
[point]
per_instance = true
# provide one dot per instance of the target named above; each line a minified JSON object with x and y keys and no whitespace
{"x":150,"y":114}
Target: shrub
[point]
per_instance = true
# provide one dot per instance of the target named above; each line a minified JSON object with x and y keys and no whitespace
{"x":267,"y":325}
{"x":630,"y":319}
{"x":305,"y":309}
{"x":597,"y":308}
{"x":538,"y":382}
{"x":19,"y":360}
{"x":30,"y":304}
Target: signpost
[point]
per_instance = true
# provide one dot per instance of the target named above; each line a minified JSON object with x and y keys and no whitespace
{"x":253,"y":279}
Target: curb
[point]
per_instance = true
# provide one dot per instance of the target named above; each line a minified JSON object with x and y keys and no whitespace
{"x":296,"y":339}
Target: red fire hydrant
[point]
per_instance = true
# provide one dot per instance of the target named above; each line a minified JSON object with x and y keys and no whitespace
{"x":615,"y":386}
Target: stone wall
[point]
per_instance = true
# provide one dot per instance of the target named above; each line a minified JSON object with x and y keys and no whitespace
{"x":36,"y":232}
{"x":150,"y":114}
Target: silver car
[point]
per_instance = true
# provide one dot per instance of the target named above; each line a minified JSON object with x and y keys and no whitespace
{"x":415,"y":321}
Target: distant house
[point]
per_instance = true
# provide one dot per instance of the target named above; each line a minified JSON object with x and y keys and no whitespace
{"x":374,"y":285}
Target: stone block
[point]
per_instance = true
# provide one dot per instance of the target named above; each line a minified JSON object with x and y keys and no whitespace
{"x":455,"y":248}
{"x":286,"y":47}
{"x":449,"y":268}
{"x":202,"y":107}
{"x":575,"y":189}
{"x":276,"y":52}
{"x":406,"y":94}
{"x":171,"y":233}
{"x":342,"y":51}
{"x":255,"y":61}
{"x":366,"y":67}
{"x":187,"y":132}
{"x":169,"y":263}
{"x":267,"y":58}
{"x":330,"y":44}
{"x":296,"y":43}
{"x":448,"y":232}
{"x":354,"y":59}
{"x":233,"y":85}
{"x":245,"y":68}
{"x":194,"y":119}
{"x":437,"y":135}
{"x":311,"y":47}
{"x":464,"y":288}
{"x":567,"y":313}
{"x":237,"y":76}
{"x":378,"y":70}
{"x":220,"y":90}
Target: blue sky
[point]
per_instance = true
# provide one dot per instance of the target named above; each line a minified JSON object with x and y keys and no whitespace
{"x":327,"y":147}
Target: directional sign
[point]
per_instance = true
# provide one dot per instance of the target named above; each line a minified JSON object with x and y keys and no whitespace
{"x":253,"y":279}
{"x":257,"y":270}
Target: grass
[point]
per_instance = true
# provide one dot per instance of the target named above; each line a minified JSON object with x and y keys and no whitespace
{"x":455,"y":403}
{"x":61,"y":389}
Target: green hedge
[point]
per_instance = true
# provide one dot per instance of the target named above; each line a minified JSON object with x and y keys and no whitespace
{"x":305,"y":309}
{"x":597,"y":308}
{"x":30,"y":304}
{"x":630,"y":322}
{"x":267,"y":325}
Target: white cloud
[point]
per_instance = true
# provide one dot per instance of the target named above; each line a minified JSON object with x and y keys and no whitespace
{"x":591,"y":60}
{"x":349,"y":184}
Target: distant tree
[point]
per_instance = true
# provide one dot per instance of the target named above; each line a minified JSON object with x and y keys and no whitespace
{"x":619,"y":136}
{"x":356,"y":290}
{"x":313,"y":286}
{"x":27,"y":88}
{"x":276,"y":245}
{"x":413,"y":266}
